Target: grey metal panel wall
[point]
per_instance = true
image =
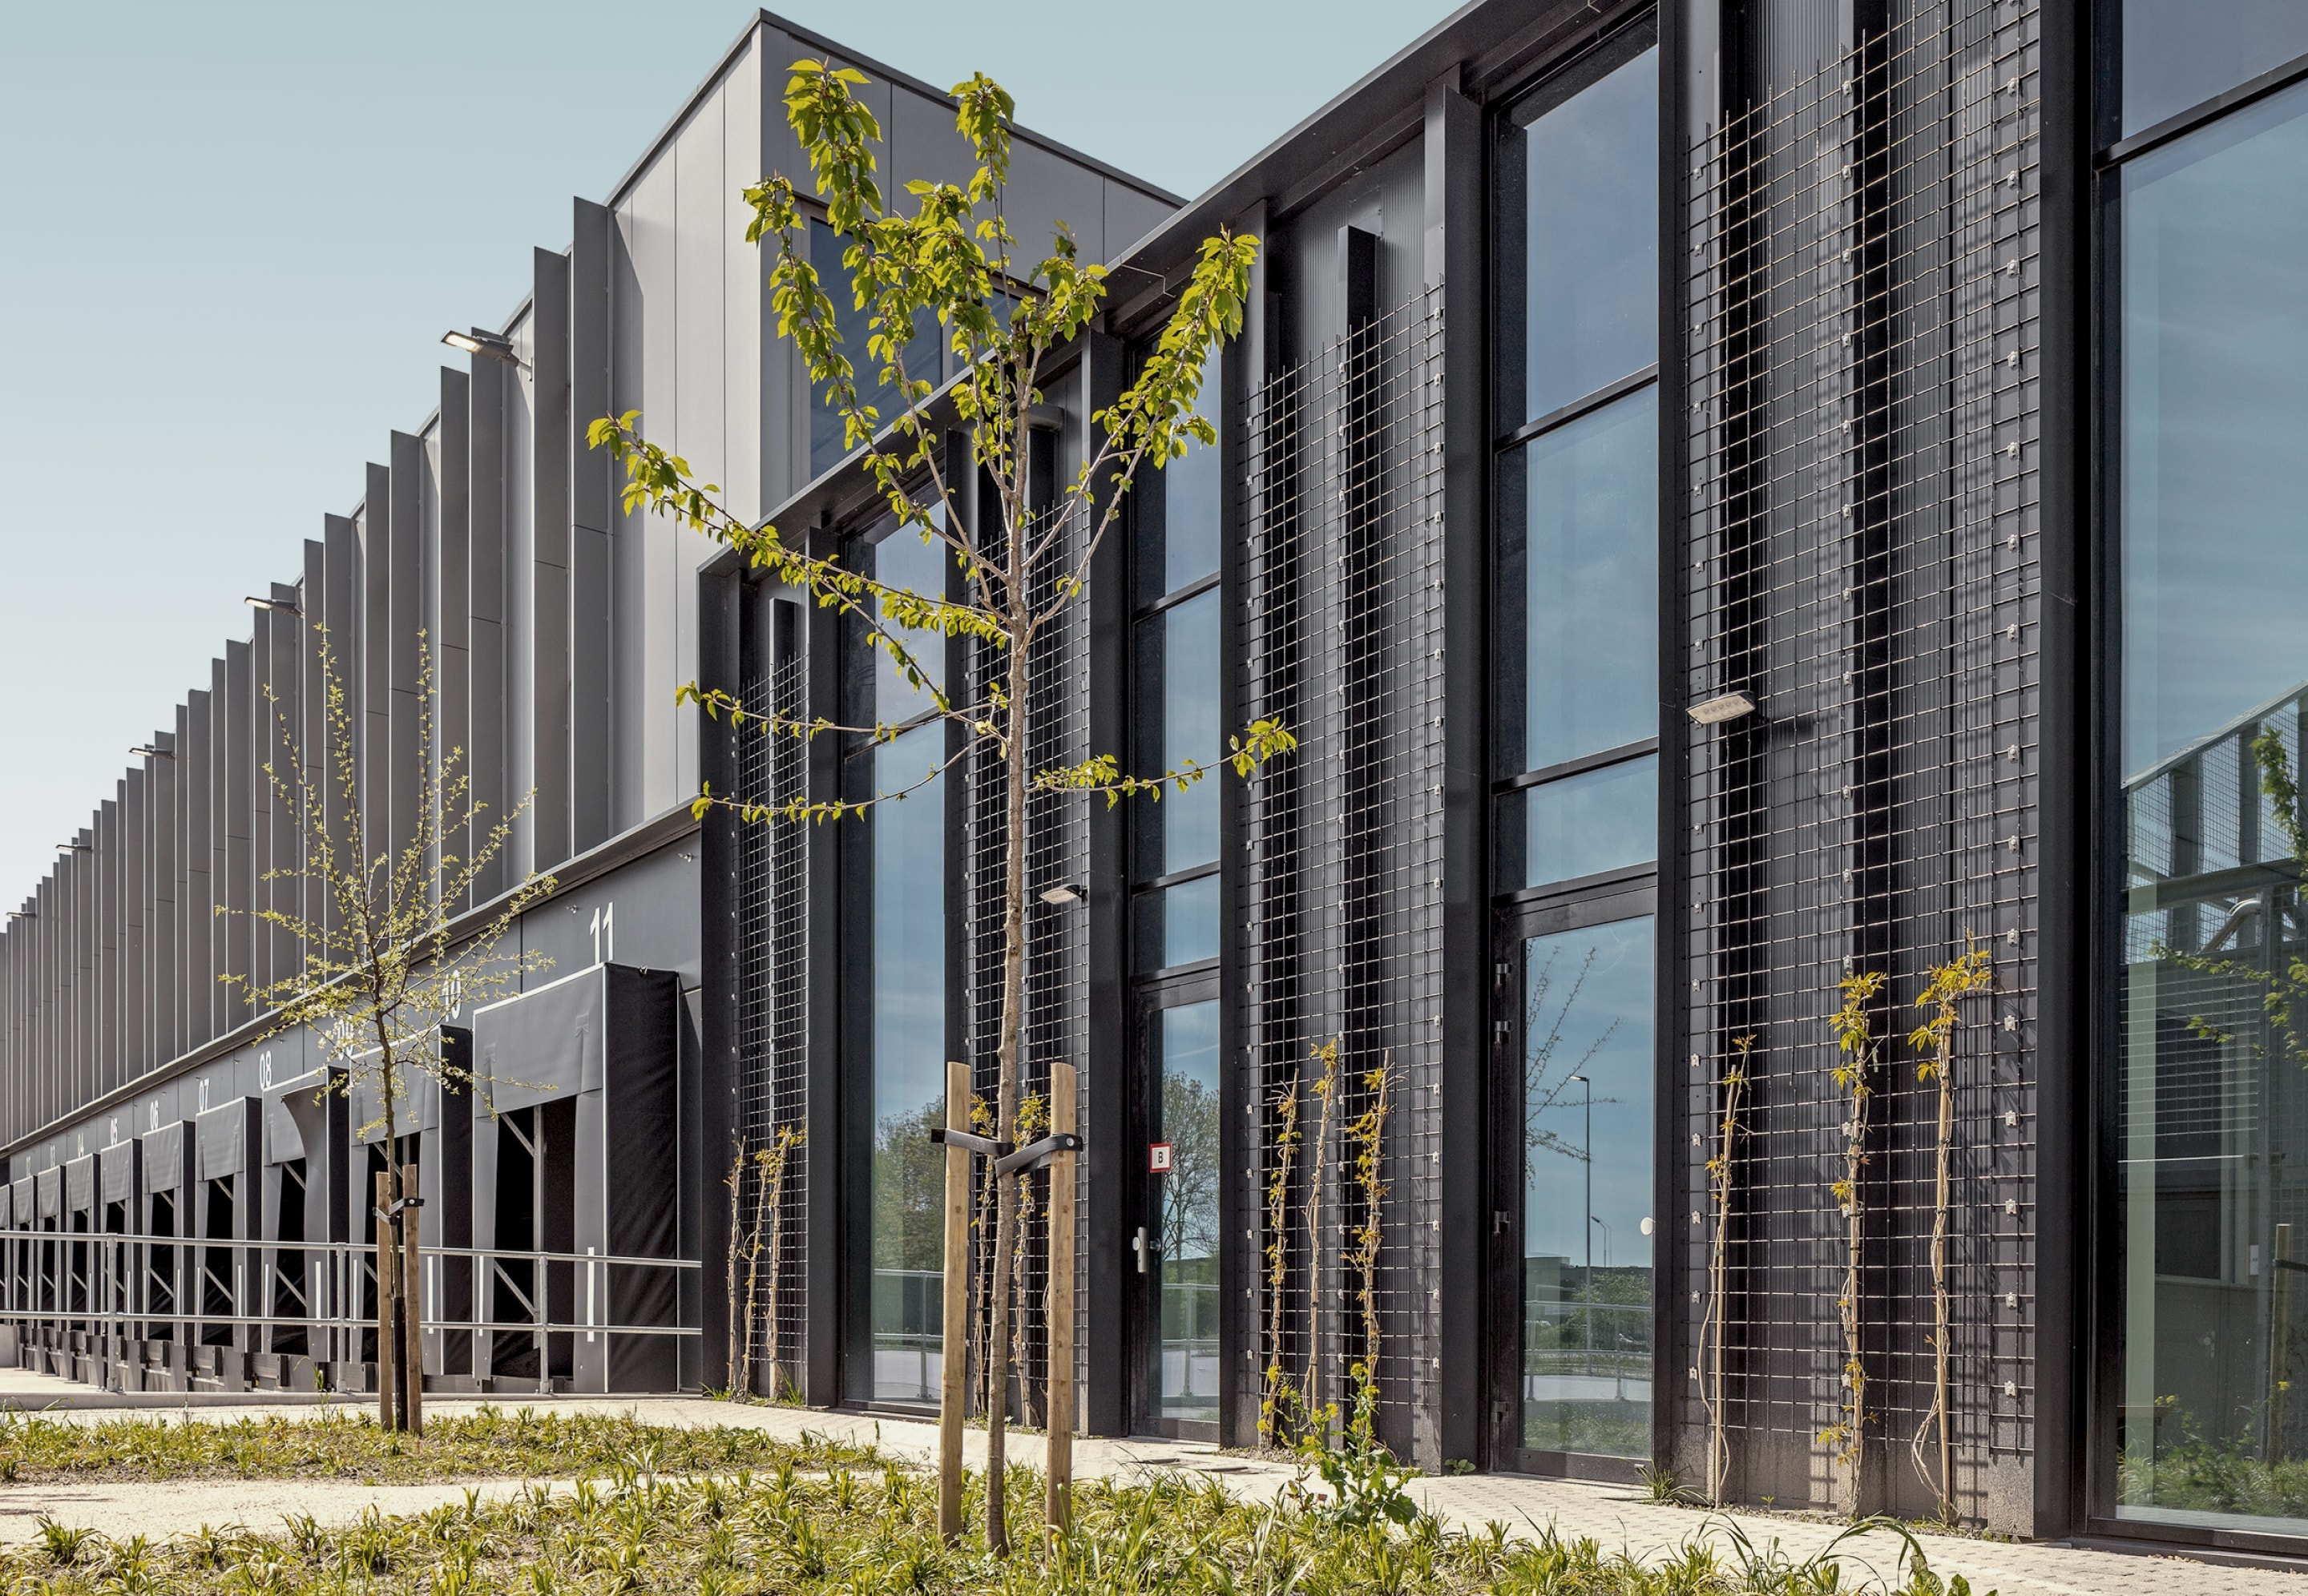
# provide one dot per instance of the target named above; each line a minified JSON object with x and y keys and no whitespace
{"x":219,"y":811}
{"x":369,"y":661}
{"x":199,"y":865}
{"x":591,"y":726}
{"x":180,"y":982}
{"x":547,"y":573}
{"x":401,"y":645}
{"x":452,"y":660}
{"x":239,"y":894}
{"x":135,"y":890}
{"x":339,"y":672}
{"x":160,"y":897}
{"x":485,"y":607}
{"x":108,"y":940}
{"x":698,"y":323}
{"x":645,"y":597}
{"x":263,"y":670}
{"x":312,"y":720}
{"x":280,"y":746}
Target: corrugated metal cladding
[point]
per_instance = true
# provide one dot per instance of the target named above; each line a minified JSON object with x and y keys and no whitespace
{"x":557,"y":627}
{"x":1861,"y":555}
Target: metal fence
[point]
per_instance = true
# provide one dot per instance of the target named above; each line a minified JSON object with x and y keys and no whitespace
{"x":93,"y":1301}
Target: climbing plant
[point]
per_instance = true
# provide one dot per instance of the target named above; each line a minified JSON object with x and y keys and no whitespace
{"x":1949,"y":984}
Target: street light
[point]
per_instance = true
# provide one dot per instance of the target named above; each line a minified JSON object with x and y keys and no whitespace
{"x":1587,"y":1160}
{"x":480,"y":340}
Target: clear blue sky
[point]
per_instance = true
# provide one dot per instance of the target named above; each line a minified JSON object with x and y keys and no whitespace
{"x":236,"y":231}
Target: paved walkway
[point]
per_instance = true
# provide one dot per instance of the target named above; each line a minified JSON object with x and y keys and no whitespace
{"x":1619,"y":1518}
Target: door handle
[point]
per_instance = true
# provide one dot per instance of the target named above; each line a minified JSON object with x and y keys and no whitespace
{"x":1138,"y":1245}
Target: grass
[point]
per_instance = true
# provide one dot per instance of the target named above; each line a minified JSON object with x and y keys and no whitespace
{"x":346,"y":1445}
{"x":820,"y":1519}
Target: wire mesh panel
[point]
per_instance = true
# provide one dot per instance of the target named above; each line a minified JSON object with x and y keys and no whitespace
{"x":1861,"y":558}
{"x":1055,"y":1023}
{"x":1338,"y":928}
{"x":773,"y":1028}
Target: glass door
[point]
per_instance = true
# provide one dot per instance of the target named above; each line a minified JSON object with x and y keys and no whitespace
{"x":1581,"y":1068}
{"x":1176,"y":1241}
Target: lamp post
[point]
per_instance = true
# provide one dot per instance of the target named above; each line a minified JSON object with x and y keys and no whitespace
{"x":1586,"y":1162}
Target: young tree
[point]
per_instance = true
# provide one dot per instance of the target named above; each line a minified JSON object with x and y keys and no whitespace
{"x":378,"y":970}
{"x":950,"y":271}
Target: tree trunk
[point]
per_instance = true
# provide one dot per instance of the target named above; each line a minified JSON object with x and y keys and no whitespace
{"x":1014,"y":995}
{"x":388,"y":1258}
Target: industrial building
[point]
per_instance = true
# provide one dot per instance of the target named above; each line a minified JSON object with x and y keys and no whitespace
{"x":1739,"y":503}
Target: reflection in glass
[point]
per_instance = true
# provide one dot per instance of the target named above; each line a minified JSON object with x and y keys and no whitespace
{"x":1579,"y":299}
{"x":1175,"y":511}
{"x":1185,"y":1261}
{"x":904,"y":561}
{"x":907,"y":1031}
{"x":1587,"y":1190}
{"x":1581,"y":826}
{"x":828,"y":436}
{"x":1578,"y":587}
{"x":2178,"y":53}
{"x":1177,"y":925}
{"x":1178,"y":725}
{"x":2213,"y":1105}
{"x":2215,"y":361}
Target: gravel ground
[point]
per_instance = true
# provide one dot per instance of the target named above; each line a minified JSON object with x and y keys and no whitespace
{"x":1614,"y":1515}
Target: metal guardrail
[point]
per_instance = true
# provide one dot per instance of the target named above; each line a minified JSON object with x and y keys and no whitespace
{"x":117,"y":1284}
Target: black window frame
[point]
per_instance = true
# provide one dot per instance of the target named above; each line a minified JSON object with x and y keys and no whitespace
{"x":1613,"y":896}
{"x":2099,"y":1267}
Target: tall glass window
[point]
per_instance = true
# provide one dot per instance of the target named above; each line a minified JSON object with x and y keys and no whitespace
{"x":2171,"y":56}
{"x":1574,"y":747}
{"x":1587,"y":1221}
{"x":1185,"y":1103}
{"x":1177,"y":703}
{"x":925,"y":359}
{"x":905,"y":1004}
{"x":2210,"y":299}
{"x":1577,"y":627}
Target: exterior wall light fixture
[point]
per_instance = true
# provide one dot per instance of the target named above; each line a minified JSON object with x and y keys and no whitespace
{"x":495,"y":346}
{"x":1064,"y":892}
{"x":145,"y":751}
{"x":1721,"y":708}
{"x":255,"y":602}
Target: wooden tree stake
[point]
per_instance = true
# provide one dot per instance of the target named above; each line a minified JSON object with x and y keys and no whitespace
{"x":954,"y":1376}
{"x":386,"y":1363}
{"x":412,"y":1299}
{"x":1058,"y":1503}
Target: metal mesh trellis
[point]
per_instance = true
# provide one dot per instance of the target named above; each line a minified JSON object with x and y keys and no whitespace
{"x":1861,"y":554}
{"x":1338,"y":928}
{"x":772,"y":1009}
{"x":1056,"y":1020}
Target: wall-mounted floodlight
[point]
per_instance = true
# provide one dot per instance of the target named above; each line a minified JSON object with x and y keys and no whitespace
{"x":255,"y":602}
{"x":145,"y":751}
{"x":1064,"y":892}
{"x":1722,"y":707}
{"x":75,"y":847}
{"x":480,"y":340}
{"x":22,"y":914}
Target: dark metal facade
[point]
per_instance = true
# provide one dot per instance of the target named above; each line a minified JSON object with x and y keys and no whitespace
{"x":1861,"y":552}
{"x":1337,"y":922}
